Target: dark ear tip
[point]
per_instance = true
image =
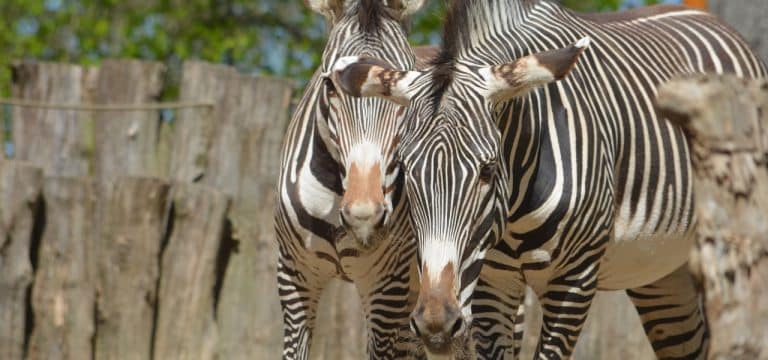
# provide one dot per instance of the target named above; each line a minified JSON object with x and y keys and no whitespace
{"x":350,"y":79}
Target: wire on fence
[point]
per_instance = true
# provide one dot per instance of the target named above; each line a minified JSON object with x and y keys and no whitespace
{"x":107,"y":107}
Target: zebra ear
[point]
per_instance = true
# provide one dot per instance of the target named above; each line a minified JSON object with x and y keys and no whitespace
{"x":329,"y":8}
{"x":362,"y":76}
{"x":518,"y":78}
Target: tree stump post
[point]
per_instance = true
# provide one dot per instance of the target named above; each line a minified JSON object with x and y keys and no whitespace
{"x":126,"y":141}
{"x":236,"y":147}
{"x":726,"y":123}
{"x":133,"y":228}
{"x":185,"y":326}
{"x":51,"y":138}
{"x":63,"y":295}
{"x":20,"y":188}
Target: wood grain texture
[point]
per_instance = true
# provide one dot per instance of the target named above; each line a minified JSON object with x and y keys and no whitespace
{"x":126,"y":141}
{"x":133,"y":229}
{"x":236,"y":147}
{"x":49,"y":138}
{"x":20,"y":188}
{"x":63,"y":295}
{"x":185,"y":322}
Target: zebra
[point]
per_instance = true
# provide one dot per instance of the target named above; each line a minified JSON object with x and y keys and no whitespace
{"x":339,"y":212}
{"x":534,"y":156}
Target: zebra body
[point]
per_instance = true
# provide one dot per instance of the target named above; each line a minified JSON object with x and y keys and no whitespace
{"x":591,"y":187}
{"x":339,"y":212}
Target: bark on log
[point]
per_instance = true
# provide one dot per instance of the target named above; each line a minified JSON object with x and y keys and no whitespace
{"x":238,"y":151}
{"x":726,"y":121}
{"x":133,"y":230}
{"x":63,"y":292}
{"x":52,"y":138}
{"x":185,"y":324}
{"x":126,"y":141}
{"x":20,"y":187}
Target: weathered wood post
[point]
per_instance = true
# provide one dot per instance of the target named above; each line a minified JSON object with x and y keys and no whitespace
{"x":235,"y":147}
{"x":63,"y":295}
{"x":133,"y":228}
{"x":340,"y":332}
{"x":185,"y":322}
{"x":726,"y":122}
{"x":126,"y":141}
{"x":51,"y":138}
{"x":20,"y":187}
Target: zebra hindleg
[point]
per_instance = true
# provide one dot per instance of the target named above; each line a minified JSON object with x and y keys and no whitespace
{"x":565,"y":305}
{"x":300,"y":289}
{"x":672,"y":316}
{"x":497,"y":314}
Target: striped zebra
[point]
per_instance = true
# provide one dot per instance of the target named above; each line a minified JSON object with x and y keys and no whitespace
{"x":339,"y":212}
{"x":533,"y":148}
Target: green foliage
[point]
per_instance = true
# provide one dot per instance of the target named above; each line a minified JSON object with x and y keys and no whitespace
{"x":276,"y":37}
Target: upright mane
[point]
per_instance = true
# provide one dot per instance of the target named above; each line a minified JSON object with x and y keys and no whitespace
{"x":370,"y":14}
{"x":454,"y":27}
{"x":462,"y":18}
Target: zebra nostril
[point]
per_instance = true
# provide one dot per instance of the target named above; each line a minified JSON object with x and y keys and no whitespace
{"x":344,"y":216}
{"x":458,"y":327}
{"x":415,"y":328}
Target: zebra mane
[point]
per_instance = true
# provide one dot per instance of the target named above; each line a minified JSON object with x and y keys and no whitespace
{"x":456,"y":36}
{"x":454,"y":27}
{"x":370,"y":13}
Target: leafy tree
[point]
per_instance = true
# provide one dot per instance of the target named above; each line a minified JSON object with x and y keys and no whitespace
{"x":276,"y":37}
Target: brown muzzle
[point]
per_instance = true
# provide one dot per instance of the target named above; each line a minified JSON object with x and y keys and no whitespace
{"x":437,"y":318}
{"x":363,"y":208}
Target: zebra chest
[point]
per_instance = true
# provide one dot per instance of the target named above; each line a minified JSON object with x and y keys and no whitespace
{"x":318,"y":200}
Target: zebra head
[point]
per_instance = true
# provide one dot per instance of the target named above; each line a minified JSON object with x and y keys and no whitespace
{"x":455,"y":180}
{"x":362,"y":134}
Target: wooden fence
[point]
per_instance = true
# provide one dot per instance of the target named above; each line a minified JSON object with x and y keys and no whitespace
{"x":126,"y":236}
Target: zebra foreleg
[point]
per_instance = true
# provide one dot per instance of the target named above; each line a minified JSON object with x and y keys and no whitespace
{"x":387,"y":303}
{"x":299,"y":291}
{"x":565,"y":305}
{"x":496,"y":310}
{"x":672,"y":316}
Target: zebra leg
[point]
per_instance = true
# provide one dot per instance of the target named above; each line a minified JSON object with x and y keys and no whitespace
{"x":565,"y":305}
{"x":496,"y":309}
{"x":300,"y":288}
{"x":672,"y":316}
{"x":388,"y":300}
{"x":519,"y":329}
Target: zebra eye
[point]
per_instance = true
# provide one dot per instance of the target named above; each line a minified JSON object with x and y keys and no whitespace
{"x":487,"y":172}
{"x":330,"y":87}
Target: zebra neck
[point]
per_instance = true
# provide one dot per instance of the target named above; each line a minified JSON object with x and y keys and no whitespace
{"x":488,"y":22}
{"x":487,"y":15}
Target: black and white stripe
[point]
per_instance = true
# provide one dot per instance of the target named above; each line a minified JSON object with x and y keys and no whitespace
{"x":321,"y":139}
{"x":592,"y":188}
